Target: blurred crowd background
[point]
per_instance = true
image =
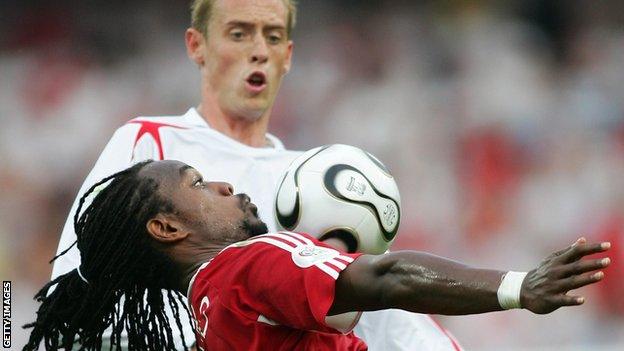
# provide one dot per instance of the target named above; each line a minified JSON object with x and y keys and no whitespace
{"x":503,"y":122}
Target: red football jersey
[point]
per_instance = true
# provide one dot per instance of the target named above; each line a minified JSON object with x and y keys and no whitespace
{"x":272,"y":292}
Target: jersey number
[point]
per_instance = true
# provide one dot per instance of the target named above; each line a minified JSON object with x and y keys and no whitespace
{"x":203,"y":309}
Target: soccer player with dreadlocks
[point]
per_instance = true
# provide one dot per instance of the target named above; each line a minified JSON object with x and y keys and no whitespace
{"x":158,"y":225}
{"x":118,"y":259}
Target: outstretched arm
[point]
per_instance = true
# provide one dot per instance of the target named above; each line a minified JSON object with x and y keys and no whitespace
{"x":425,"y":283}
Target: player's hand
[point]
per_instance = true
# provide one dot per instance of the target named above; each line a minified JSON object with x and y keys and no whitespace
{"x":545,"y":288}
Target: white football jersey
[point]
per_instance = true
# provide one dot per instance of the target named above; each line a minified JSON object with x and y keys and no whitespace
{"x":254,"y":171}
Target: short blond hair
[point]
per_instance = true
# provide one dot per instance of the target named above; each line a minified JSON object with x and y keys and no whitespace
{"x":201,"y":10}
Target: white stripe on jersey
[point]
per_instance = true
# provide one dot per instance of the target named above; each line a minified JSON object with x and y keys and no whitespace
{"x":290,"y":239}
{"x":336,"y":263}
{"x":327,"y":269}
{"x":265,"y":320}
{"x":309,"y":242}
{"x":348,"y":259}
{"x":300,"y":237}
{"x":280,"y":244}
{"x":203,"y":265}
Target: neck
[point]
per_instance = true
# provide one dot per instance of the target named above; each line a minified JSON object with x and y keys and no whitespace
{"x":239,"y":128}
{"x":190,"y":268}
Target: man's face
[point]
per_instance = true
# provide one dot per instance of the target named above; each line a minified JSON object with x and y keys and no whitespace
{"x":208,"y":210}
{"x":246,"y":54}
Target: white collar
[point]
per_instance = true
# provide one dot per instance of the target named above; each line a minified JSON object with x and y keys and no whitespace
{"x":188,"y":291}
{"x":193,"y":118}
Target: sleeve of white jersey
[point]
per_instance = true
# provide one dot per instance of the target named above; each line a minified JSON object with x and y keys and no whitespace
{"x":119,"y":154}
{"x":403,"y":331}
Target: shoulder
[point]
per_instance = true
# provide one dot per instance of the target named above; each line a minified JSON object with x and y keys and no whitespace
{"x":292,"y":154}
{"x":294,"y":250}
{"x":152,"y":124}
{"x":190,"y":119}
{"x":283,"y":158}
{"x":144,"y":134}
{"x":262,"y":261}
{"x":283,"y":240}
{"x":160,"y":121}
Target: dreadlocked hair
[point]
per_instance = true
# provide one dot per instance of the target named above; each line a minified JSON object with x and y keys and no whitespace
{"x":118,"y":260}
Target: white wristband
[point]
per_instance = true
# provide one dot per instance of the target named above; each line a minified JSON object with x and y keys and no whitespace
{"x":509,"y":290}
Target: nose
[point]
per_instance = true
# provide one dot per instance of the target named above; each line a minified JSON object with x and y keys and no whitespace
{"x":260,"y":51}
{"x":222,"y":188}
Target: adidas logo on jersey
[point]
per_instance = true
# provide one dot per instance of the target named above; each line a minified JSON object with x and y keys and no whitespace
{"x":309,"y":255}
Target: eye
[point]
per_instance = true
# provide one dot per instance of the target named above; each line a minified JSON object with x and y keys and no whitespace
{"x":237,"y":35}
{"x":199,"y":183}
{"x":275,"y":39}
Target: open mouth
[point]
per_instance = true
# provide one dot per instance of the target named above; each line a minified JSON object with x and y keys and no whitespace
{"x":257,"y":79}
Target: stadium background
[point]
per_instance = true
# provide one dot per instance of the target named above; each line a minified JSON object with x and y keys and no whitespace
{"x":502,"y":121}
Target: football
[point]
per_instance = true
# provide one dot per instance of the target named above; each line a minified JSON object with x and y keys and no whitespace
{"x":340,"y":191}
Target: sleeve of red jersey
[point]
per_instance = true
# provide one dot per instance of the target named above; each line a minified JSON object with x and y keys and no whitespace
{"x":292,"y":278}
{"x":118,"y":155}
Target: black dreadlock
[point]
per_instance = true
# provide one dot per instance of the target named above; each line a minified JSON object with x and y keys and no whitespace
{"x":118,"y":259}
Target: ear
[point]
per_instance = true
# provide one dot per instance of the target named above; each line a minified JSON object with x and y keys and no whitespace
{"x":165,"y":229}
{"x":288,"y":61}
{"x":195,"y":43}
